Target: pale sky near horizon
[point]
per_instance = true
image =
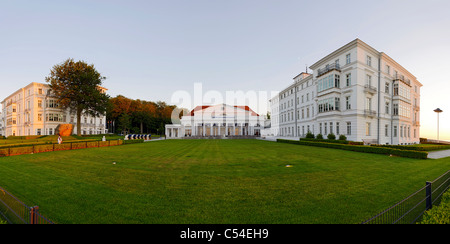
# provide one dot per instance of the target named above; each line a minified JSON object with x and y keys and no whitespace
{"x":150,"y":49}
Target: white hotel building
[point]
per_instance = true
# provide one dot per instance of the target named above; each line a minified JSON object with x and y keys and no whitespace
{"x":32,"y":110}
{"x":219,"y":121}
{"x":355,"y":91}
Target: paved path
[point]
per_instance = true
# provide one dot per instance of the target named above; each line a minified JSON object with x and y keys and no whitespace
{"x":439,"y":154}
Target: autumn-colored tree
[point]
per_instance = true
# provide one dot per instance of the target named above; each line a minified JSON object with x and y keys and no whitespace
{"x":141,"y":116}
{"x":77,"y":86}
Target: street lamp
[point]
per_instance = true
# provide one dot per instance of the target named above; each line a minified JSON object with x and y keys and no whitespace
{"x":438,"y":110}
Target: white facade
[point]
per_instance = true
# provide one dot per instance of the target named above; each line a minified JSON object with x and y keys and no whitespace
{"x":355,"y":91}
{"x":33,"y":111}
{"x":219,"y":121}
{"x":1,"y":124}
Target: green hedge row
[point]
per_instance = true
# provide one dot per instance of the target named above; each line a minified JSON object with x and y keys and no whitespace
{"x":438,"y":214}
{"x":415,"y":148}
{"x":359,"y":148}
{"x":332,"y":141}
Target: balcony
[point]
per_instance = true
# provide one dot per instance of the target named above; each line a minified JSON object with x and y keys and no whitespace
{"x":402,"y":79}
{"x":416,"y":107}
{"x":416,"y":123}
{"x":370,"y":113}
{"x":328,"y":68}
{"x":370,"y":89}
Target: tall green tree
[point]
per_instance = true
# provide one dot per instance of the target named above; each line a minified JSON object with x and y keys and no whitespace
{"x":77,"y":86}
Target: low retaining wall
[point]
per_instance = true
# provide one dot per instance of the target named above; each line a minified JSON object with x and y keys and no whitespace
{"x":13,"y":151}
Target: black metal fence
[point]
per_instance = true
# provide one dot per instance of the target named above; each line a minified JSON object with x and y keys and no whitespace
{"x":15,"y":211}
{"x":411,"y":209}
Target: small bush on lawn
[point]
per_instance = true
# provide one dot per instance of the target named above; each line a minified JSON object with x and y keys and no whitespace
{"x":331,"y":136}
{"x":342,"y":138}
{"x":319,"y":136}
{"x":310,"y":135}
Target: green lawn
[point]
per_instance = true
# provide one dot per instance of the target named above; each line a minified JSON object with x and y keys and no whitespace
{"x":213,"y":181}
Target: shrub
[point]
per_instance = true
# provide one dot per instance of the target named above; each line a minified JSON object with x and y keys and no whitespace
{"x":438,"y":214}
{"x":331,"y":136}
{"x":310,"y":135}
{"x":319,"y":136}
{"x":342,"y":138}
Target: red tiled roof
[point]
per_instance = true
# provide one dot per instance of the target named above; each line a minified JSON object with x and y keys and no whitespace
{"x":246,"y":108}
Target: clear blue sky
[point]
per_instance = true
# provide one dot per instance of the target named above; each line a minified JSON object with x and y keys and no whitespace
{"x":150,"y":49}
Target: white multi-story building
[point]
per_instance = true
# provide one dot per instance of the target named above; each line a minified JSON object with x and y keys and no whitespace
{"x":1,"y":124}
{"x":355,"y":91}
{"x":33,"y":111}
{"x":220,"y":120}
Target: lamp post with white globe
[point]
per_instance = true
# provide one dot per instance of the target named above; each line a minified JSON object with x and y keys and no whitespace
{"x":438,"y":111}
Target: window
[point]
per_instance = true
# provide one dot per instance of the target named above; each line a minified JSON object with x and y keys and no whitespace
{"x":348,"y":80}
{"x":39,"y":117}
{"x":395,"y":131}
{"x":396,"y":89}
{"x":349,"y":128}
{"x":331,"y":127}
{"x":388,"y":69}
{"x":368,"y":80}
{"x":386,"y":88}
{"x":369,"y":61}
{"x":337,"y":128}
{"x":337,"y":81}
{"x":368,"y":103}
{"x":325,"y":129}
{"x":386,"y":130}
{"x":320,"y":128}
{"x":347,"y":103}
{"x":395,"y":109}
{"x":40,"y":91}
{"x":328,"y":82}
{"x":329,"y":104}
{"x":347,"y":59}
{"x":39,"y":103}
{"x":367,"y":128}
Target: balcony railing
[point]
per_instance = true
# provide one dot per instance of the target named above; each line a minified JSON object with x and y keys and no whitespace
{"x":328,"y":68}
{"x":370,"y":113}
{"x":370,"y":89}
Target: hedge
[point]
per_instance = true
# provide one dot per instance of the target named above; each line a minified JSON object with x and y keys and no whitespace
{"x":332,"y":141}
{"x":415,"y":148}
{"x":438,"y":214}
{"x":360,"y":148}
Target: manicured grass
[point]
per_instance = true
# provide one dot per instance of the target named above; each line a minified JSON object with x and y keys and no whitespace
{"x":213,"y":181}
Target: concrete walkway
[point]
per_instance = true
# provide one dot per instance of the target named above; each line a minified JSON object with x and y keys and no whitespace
{"x":439,"y":154}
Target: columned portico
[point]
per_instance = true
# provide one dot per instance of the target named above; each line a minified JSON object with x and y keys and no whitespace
{"x":216,"y":121}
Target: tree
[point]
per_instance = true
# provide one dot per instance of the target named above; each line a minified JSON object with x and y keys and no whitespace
{"x":77,"y":86}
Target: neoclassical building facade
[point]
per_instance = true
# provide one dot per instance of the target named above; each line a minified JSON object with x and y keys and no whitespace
{"x":32,"y":110}
{"x":354,"y":91}
{"x":220,"y":120}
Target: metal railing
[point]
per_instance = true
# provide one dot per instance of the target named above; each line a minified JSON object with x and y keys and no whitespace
{"x":369,"y":112}
{"x":15,"y":211}
{"x":411,"y":209}
{"x":327,"y":68}
{"x":370,"y":89}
